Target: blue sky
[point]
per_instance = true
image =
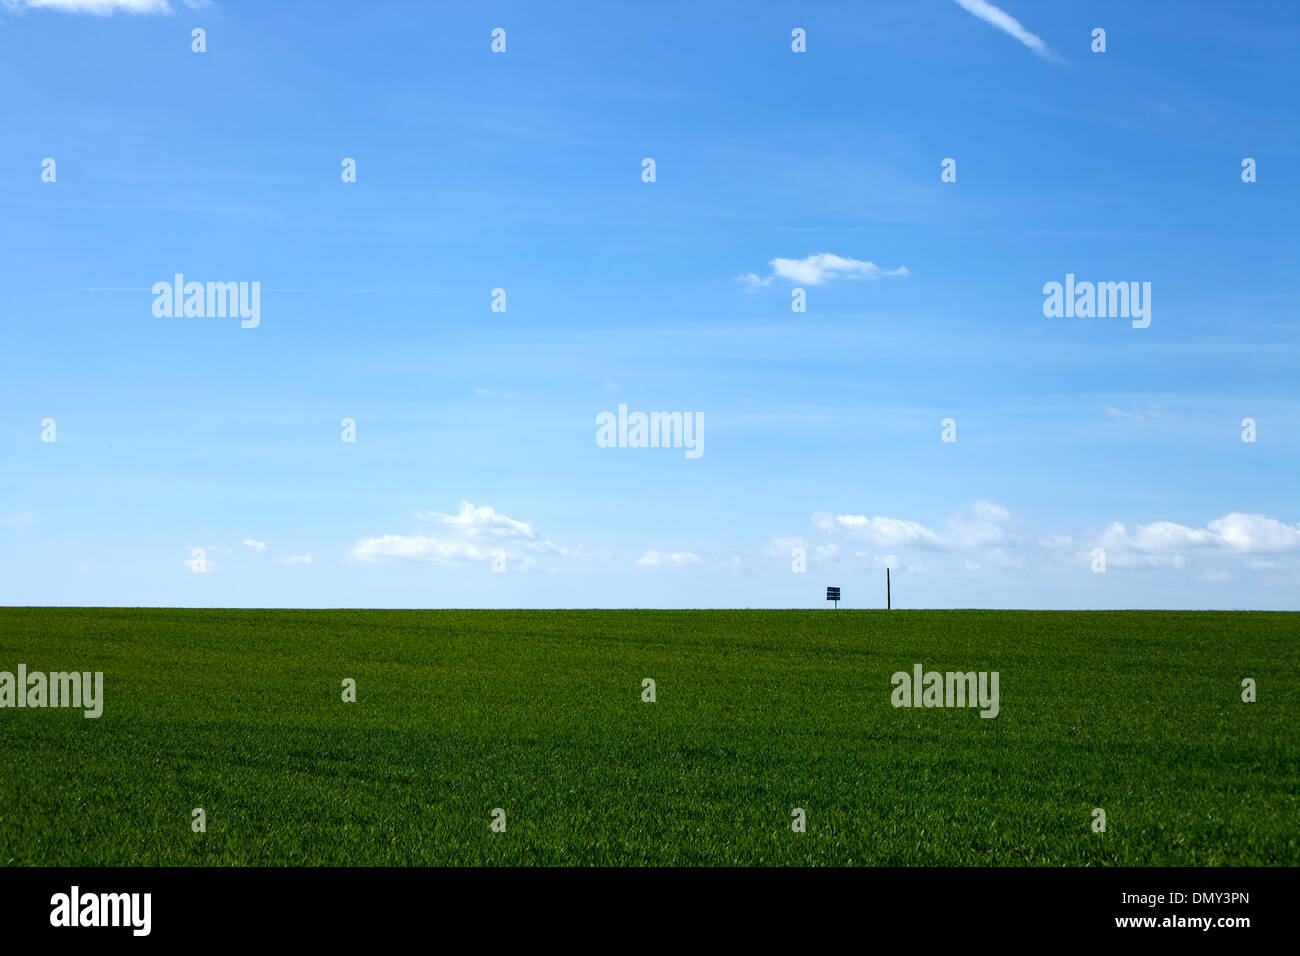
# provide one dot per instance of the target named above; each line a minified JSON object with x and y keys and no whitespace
{"x":522,"y":170}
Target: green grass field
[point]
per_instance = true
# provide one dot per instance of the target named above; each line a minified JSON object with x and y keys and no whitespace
{"x":757,"y":712}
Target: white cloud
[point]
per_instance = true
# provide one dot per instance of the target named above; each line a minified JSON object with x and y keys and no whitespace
{"x":258,"y":546}
{"x":1009,"y":25}
{"x":1167,"y":544}
{"x":1134,"y":414}
{"x":18,"y":521}
{"x":986,"y":537}
{"x":983,"y":526}
{"x":879,"y":532}
{"x":988,"y":511}
{"x":589,"y":554}
{"x":1255,"y":534}
{"x":295,"y":559}
{"x":101,"y":8}
{"x":818,"y":269}
{"x":1120,"y":413}
{"x":675,"y":559}
{"x":879,"y":560}
{"x":470,"y":536}
{"x":780,"y":547}
{"x":981,"y":533}
{"x":1006,"y":561}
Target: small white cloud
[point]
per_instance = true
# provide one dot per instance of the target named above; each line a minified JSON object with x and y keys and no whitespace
{"x":1008,"y":25}
{"x":18,"y":521}
{"x":880,"y":532}
{"x":988,"y":511}
{"x":1005,"y":561}
{"x":590,"y":554}
{"x":612,"y":386}
{"x":1120,"y":413}
{"x":295,"y":559}
{"x":818,"y":269}
{"x":675,"y":559}
{"x":258,"y":546}
{"x":824,"y":266}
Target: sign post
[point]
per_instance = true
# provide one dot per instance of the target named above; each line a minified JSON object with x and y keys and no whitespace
{"x":833,"y":594}
{"x":888,"y":604}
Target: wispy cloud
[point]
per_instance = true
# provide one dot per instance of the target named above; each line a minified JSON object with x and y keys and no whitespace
{"x":100,"y":8}
{"x":1150,"y":412}
{"x":663,"y":559}
{"x":255,"y":545}
{"x":818,"y":269}
{"x":1009,"y":25}
{"x":18,"y":521}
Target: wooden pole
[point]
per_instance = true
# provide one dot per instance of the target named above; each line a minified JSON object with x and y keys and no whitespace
{"x":888,"y":603}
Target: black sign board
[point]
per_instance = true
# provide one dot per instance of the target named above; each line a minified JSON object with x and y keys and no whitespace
{"x":833,"y":594}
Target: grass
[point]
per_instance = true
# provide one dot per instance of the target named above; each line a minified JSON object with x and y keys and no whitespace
{"x":757,"y":712}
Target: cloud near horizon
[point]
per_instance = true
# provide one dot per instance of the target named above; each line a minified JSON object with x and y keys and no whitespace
{"x":982,"y":537}
{"x":476,"y":534}
{"x":1167,"y":544}
{"x":982,"y":526}
{"x":675,"y":559}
